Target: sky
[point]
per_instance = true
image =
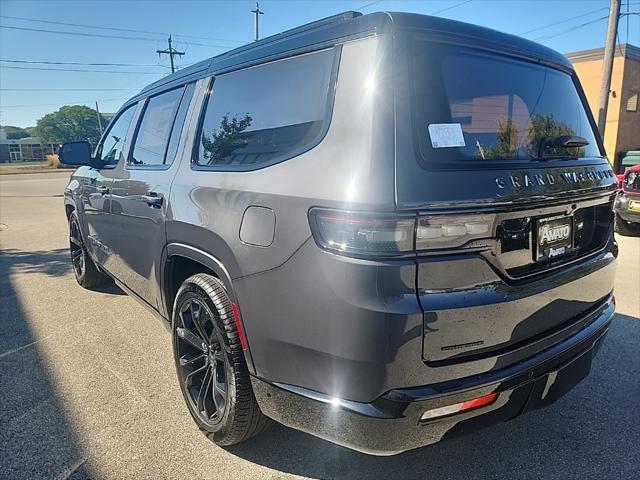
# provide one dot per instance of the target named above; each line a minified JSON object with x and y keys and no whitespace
{"x":128,"y":33}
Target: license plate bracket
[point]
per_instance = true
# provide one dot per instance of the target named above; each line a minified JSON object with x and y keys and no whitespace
{"x":554,"y":237}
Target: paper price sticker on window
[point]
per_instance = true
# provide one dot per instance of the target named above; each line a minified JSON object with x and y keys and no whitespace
{"x":446,"y":135}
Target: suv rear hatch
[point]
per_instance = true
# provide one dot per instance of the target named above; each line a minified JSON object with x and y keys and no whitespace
{"x":498,"y":153}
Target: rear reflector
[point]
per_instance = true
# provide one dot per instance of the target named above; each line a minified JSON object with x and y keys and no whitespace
{"x":460,"y":407}
{"x":239,"y":328}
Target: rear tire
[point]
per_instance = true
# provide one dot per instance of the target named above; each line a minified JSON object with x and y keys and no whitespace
{"x":85,"y":270}
{"x":625,"y":228}
{"x":213,"y":375}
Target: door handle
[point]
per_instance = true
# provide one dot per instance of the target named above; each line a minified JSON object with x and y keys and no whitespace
{"x":102,"y":190}
{"x":153,"y":199}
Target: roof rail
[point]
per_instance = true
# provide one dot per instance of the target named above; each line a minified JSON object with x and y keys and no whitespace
{"x":340,"y":17}
{"x":334,"y":19}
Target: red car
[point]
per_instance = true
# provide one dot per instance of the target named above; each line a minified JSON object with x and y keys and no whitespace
{"x":627,"y":206}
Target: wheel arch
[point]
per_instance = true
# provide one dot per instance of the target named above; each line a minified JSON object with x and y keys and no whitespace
{"x":179,"y":262}
{"x":69,"y":208}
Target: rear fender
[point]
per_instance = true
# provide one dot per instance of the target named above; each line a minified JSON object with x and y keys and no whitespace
{"x":210,"y":262}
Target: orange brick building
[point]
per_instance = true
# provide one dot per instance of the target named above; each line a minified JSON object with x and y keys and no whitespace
{"x":622,"y":131}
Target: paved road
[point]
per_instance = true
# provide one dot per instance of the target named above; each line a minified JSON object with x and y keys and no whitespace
{"x":88,"y":389}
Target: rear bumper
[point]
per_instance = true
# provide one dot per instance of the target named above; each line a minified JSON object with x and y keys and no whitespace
{"x":622,"y":208}
{"x":391,"y":424}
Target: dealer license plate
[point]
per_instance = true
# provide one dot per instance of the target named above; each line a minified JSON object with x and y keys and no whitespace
{"x":554,"y":237}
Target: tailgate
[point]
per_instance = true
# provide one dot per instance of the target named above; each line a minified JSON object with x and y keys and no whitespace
{"x":508,"y":293}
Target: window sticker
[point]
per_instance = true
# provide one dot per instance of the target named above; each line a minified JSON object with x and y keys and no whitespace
{"x":446,"y":135}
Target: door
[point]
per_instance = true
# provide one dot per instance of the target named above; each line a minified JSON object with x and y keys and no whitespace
{"x":96,"y":190}
{"x":141,"y":189}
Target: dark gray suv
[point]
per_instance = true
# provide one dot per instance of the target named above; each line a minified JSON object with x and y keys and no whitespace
{"x":382,"y":230}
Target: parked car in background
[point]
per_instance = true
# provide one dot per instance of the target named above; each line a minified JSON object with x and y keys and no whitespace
{"x":383,"y":230}
{"x":627,"y":204}
{"x":630,"y":159}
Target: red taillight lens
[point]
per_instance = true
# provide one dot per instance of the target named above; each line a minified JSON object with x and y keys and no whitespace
{"x":460,"y":407}
{"x":478,"y":402}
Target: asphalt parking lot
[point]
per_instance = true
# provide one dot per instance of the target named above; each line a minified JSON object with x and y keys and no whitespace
{"x":88,"y":388}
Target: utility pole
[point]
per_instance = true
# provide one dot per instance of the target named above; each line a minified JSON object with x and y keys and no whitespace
{"x":607,"y":64}
{"x":256,"y":21}
{"x":99,"y":118}
{"x":171,"y":52}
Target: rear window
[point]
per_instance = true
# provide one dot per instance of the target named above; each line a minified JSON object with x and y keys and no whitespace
{"x":262,"y":115}
{"x":474,"y":106}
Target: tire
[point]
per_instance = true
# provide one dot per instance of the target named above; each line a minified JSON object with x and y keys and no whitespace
{"x":625,"y":228}
{"x":85,"y":270}
{"x":213,"y":375}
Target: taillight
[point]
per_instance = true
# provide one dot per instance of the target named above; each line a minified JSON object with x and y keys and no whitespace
{"x":367,"y":234}
{"x":362,"y":233}
{"x":452,"y":231}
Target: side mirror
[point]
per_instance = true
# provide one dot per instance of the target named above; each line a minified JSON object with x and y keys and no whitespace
{"x":75,"y":153}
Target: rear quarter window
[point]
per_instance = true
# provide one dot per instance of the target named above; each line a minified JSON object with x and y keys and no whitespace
{"x":262,"y":115}
{"x":492,"y":107}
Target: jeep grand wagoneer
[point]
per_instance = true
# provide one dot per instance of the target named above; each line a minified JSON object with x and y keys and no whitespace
{"x":382,"y":230}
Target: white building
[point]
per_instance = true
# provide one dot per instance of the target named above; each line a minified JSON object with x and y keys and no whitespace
{"x":24,"y":149}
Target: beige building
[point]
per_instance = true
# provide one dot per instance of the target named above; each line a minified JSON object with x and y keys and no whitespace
{"x":622,"y":132}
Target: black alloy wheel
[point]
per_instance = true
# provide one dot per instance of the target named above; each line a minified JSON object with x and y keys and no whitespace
{"x":78,"y":252}
{"x":84,"y":269}
{"x":202,"y":359}
{"x":210,"y":362}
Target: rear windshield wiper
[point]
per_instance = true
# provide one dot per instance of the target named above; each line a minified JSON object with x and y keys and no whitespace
{"x":549,"y":146}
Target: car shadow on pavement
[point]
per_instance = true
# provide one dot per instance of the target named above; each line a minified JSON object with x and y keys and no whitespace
{"x":586,"y":434}
{"x":36,"y":439}
{"x":632,"y":234}
{"x":54,"y":263}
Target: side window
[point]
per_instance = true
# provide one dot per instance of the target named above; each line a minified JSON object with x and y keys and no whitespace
{"x":261,"y":115}
{"x":178,"y":124}
{"x":110,"y":150}
{"x":154,"y":129}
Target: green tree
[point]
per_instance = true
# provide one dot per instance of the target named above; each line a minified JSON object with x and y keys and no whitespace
{"x":15,"y":133}
{"x":507,"y":137}
{"x":542,"y":126}
{"x":226,"y":139}
{"x":71,"y":122}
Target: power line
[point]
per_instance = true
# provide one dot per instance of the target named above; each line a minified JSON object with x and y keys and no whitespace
{"x":451,"y":7}
{"x":46,"y":62}
{"x":546,"y":37}
{"x":13,"y":67}
{"x":563,"y":21}
{"x":66,"y":89}
{"x":101,"y":35}
{"x":77,"y":102}
{"x":367,"y":5}
{"x":97,"y":27}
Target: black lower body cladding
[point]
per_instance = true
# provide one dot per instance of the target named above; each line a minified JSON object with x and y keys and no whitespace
{"x":392,"y":423}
